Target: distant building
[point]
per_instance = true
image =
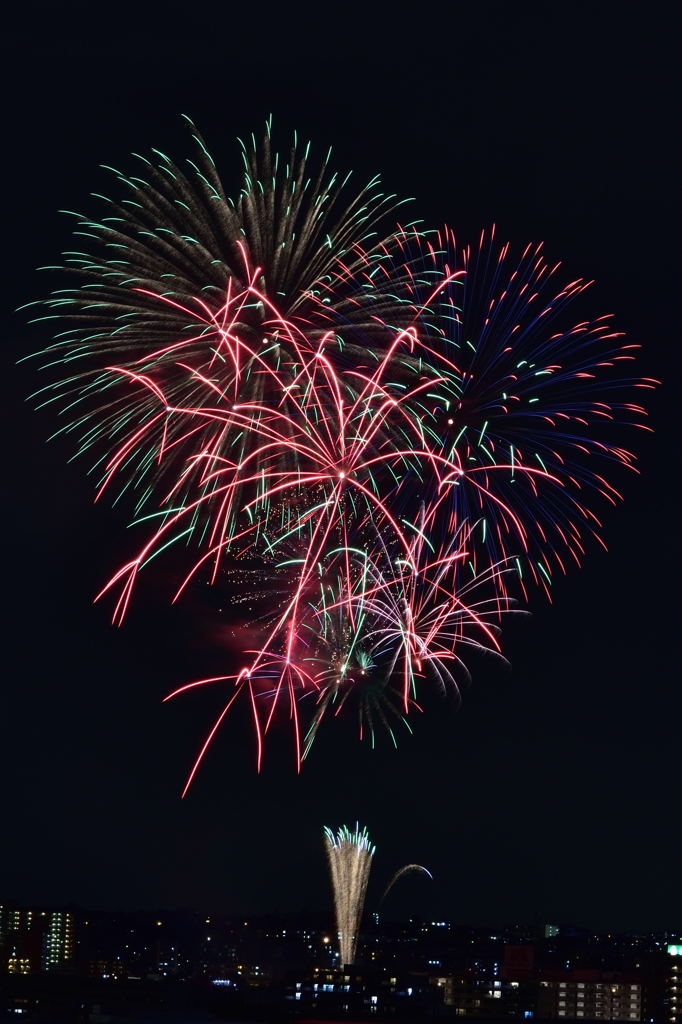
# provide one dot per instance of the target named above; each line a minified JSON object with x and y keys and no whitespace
{"x":591,"y":995}
{"x":34,"y":941}
{"x":106,"y":969}
{"x":467,"y":996}
{"x":673,"y":985}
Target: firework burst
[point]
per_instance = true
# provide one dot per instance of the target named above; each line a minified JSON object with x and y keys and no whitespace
{"x":519,"y":386}
{"x":392,"y":428}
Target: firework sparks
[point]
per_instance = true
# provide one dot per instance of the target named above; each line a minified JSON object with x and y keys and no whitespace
{"x":349,"y":855}
{"x":520,"y":386}
{"x":407,"y":869}
{"x":393,"y":427}
{"x":186,"y":286}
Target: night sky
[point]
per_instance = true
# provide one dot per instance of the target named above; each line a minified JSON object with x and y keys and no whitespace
{"x":553,"y":794}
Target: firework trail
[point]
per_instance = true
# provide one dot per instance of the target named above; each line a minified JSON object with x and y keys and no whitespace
{"x":349,"y":855}
{"x":405,"y":870}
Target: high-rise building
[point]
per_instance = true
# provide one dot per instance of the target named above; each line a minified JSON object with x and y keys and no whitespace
{"x":673,"y":986}
{"x":35,"y":940}
{"x":58,"y":940}
{"x":591,"y":995}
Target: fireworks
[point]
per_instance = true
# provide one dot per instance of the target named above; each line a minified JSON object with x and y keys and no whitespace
{"x":395,"y":434}
{"x":401,"y":872}
{"x":520,"y":385}
{"x":349,"y":855}
{"x":186,"y":289}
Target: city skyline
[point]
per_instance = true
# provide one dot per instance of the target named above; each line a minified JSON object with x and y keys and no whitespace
{"x":545,"y":971}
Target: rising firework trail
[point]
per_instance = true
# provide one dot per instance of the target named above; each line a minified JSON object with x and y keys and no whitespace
{"x":405,"y":870}
{"x":349,"y":855}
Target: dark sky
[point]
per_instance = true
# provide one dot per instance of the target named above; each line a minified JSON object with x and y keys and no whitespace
{"x":553,"y":794}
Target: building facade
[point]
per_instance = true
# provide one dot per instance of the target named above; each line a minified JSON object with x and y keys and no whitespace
{"x":591,"y":995}
{"x":34,"y":941}
{"x":673,"y":984}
